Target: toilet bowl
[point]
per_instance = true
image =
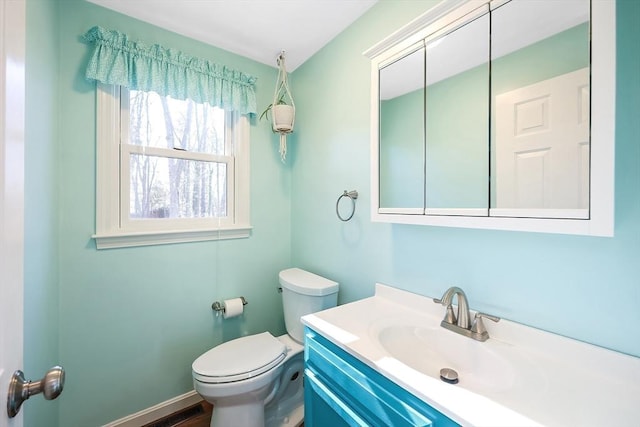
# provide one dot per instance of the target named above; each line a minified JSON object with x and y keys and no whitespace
{"x":256,"y":380}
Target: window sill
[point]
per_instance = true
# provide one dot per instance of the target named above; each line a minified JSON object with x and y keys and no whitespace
{"x":149,"y":238}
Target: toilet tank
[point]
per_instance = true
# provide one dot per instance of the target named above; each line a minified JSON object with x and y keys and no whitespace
{"x":304,"y":293}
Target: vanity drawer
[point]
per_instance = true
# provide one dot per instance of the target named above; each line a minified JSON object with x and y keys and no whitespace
{"x":356,"y":393}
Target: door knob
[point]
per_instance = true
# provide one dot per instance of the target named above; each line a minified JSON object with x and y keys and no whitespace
{"x":20,"y":389}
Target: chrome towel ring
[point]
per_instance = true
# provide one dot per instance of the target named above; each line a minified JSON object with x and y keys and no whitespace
{"x":353,"y":195}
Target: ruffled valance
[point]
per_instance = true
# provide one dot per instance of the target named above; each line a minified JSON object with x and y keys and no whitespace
{"x":117,"y":60}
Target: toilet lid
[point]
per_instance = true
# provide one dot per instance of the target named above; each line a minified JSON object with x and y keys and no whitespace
{"x":239,"y":359}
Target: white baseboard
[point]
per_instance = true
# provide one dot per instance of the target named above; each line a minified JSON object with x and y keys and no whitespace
{"x":158,"y":411}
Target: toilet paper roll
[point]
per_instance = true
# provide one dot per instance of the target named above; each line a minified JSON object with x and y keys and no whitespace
{"x":232,"y":307}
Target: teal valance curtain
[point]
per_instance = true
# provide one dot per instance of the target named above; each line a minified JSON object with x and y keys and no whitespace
{"x":119,"y":61}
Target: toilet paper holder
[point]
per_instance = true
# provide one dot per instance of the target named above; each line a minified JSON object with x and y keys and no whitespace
{"x":219,"y":307}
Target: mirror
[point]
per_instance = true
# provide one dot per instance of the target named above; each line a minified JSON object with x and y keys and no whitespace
{"x":541,"y":108}
{"x":457,"y":113}
{"x":496,"y":119}
{"x":402,"y":132}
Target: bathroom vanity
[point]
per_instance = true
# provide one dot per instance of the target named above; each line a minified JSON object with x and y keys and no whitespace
{"x":343,"y":391}
{"x":377,"y":362}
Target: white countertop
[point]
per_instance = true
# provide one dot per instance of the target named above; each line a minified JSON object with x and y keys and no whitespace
{"x":548,"y":380}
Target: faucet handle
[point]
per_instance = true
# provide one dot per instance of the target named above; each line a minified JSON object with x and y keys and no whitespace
{"x":449,"y":317}
{"x":487,"y":316}
{"x":478,"y":324}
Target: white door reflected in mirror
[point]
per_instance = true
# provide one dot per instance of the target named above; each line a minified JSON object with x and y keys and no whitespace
{"x":542,"y":148}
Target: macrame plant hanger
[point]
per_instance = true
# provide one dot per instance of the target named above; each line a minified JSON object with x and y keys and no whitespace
{"x":283,"y":117}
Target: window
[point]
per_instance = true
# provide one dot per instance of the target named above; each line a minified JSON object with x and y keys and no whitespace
{"x":168,"y":171}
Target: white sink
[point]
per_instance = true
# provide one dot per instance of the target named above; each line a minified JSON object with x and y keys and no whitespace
{"x":430,"y":349}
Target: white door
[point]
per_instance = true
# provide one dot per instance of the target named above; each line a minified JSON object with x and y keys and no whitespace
{"x":542,"y":145}
{"x":12,"y":31}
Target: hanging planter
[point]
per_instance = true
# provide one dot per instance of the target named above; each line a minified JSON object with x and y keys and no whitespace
{"x":283,"y":117}
{"x":283,"y":109}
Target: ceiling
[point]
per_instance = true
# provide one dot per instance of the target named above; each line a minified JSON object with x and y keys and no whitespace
{"x":257,"y":29}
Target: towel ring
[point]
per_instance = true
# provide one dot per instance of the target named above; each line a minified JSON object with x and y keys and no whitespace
{"x":353,"y":195}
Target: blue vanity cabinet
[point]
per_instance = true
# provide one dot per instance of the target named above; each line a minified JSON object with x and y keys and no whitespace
{"x":342,"y":391}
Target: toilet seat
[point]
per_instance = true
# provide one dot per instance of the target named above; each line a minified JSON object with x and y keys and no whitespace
{"x":239,"y":359}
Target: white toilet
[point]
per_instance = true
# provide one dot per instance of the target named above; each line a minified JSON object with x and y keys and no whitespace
{"x":256,"y":380}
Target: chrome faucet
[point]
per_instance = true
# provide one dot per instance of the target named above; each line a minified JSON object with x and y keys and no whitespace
{"x":460,"y":323}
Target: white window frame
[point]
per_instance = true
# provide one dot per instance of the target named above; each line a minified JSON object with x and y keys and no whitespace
{"x":113,"y":227}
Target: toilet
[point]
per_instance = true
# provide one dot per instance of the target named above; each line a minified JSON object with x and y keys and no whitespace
{"x":256,"y":380}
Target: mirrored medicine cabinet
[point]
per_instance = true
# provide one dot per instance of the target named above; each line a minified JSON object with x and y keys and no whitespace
{"x":499,"y":115}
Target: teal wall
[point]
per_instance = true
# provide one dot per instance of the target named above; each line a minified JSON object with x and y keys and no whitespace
{"x":331,"y":154}
{"x":127,"y":323}
{"x":583,"y":287}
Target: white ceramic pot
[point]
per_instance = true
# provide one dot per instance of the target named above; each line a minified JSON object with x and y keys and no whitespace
{"x":283,"y":118}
